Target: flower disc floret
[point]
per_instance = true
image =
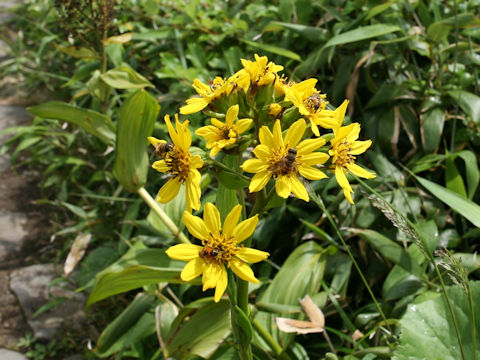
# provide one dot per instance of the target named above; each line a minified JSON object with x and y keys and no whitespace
{"x":285,"y":160}
{"x":220,"y":249}
{"x":180,"y":164}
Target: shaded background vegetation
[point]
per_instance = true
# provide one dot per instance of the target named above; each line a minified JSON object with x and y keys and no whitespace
{"x":409,"y":68}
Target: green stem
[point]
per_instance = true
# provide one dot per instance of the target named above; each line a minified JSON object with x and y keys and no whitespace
{"x":429,"y":255}
{"x":268,"y":338}
{"x":322,"y":206}
{"x":163,"y":216}
{"x":262,"y":201}
{"x":227,"y":169}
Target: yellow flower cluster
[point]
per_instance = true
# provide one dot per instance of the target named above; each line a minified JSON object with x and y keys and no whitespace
{"x":282,"y":121}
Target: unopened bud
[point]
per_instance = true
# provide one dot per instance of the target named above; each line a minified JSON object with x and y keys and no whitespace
{"x":274,"y":109}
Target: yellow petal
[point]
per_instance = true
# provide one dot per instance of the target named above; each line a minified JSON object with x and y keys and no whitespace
{"x":340,"y":113}
{"x":298,"y":189}
{"x":207,"y":132}
{"x":231,"y":220}
{"x":254,"y":166}
{"x":196,"y":162}
{"x":168,"y":191}
{"x":359,"y":171}
{"x":277,"y":135}
{"x":354,"y":132}
{"x":193,"y":269}
{"x":193,"y":193}
{"x":173,"y":134}
{"x":243,"y":270}
{"x":359,"y":147}
{"x":266,"y":137}
{"x":231,"y":115}
{"x":263,"y":152}
{"x":185,"y":252}
{"x":243,"y":125}
{"x":259,"y":181}
{"x":221,"y":286}
{"x":209,"y":278}
{"x":250,"y":255}
{"x":342,"y":179}
{"x":154,"y":141}
{"x":325,"y":122}
{"x":309,"y":145}
{"x":211,"y":217}
{"x":283,"y":186}
{"x":348,"y":195}
{"x":193,"y":105}
{"x":245,"y":229}
{"x":184,"y":135}
{"x":295,"y":133}
{"x":311,"y":173}
{"x":196,"y":226}
{"x":314,"y":158}
{"x":161,"y":166}
{"x":314,"y":128}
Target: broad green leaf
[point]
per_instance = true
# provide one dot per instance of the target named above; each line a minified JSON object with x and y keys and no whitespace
{"x":439,"y":31}
{"x":432,"y":128}
{"x":470,"y":262}
{"x":137,"y":117}
{"x":427,"y":330}
{"x":374,"y":11}
{"x":91,"y":121}
{"x":300,"y":275}
{"x":123,"y":324}
{"x":231,"y":181}
{"x":202,"y":333}
{"x":241,"y":325}
{"x":138,"y":267}
{"x":77,"y":52}
{"x":464,"y":207}
{"x":453,"y":179}
{"x":390,"y":250}
{"x":362,"y":33}
{"x":124,"y":77}
{"x":273,"y":49}
{"x":470,"y":103}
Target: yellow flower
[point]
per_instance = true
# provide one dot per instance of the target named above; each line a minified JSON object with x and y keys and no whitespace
{"x":219,"y":249}
{"x":344,"y":148}
{"x":208,"y":94}
{"x":220,"y":135}
{"x":311,"y":104}
{"x":261,"y":71}
{"x":275,"y":109}
{"x":285,"y":159}
{"x":179,"y":163}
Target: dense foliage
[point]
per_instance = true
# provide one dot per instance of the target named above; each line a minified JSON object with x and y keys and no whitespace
{"x":377,"y":269}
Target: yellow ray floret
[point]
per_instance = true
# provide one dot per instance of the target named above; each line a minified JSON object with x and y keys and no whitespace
{"x":220,"y":135}
{"x":285,"y":160}
{"x":219,"y":250}
{"x":344,"y":148}
{"x":180,"y":164}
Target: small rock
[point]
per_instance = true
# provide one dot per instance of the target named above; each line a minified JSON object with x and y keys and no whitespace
{"x":31,"y":285}
{"x":12,"y":116}
{"x":11,"y":355}
{"x":13,"y":234}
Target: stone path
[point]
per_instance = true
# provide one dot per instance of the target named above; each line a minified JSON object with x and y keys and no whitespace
{"x":24,"y":231}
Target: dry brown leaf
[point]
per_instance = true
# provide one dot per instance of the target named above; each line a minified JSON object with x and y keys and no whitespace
{"x":297,"y":326}
{"x":357,"y":334}
{"x":76,"y":252}
{"x":313,"y":311}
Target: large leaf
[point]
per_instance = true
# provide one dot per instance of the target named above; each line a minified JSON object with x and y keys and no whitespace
{"x":91,"y":121}
{"x":464,"y":207}
{"x":202,"y":333}
{"x":300,"y":275}
{"x":432,"y":128}
{"x":362,"y":33}
{"x":470,"y":103}
{"x":273,"y":49}
{"x":138,"y":267}
{"x":124,"y":77}
{"x":428,"y":331}
{"x":137,"y":117}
